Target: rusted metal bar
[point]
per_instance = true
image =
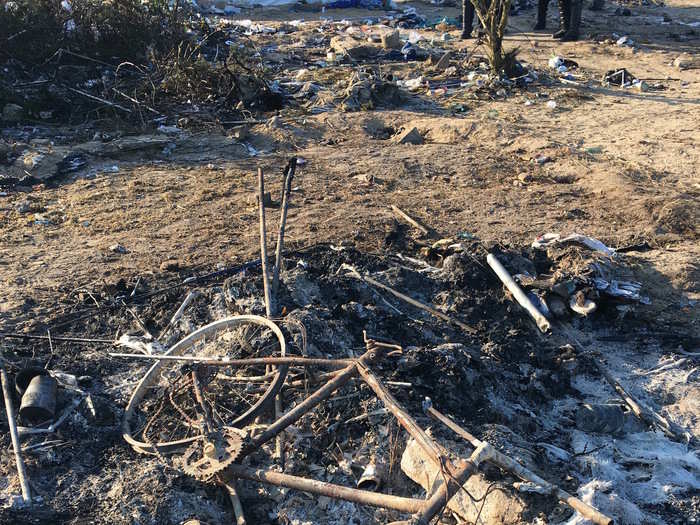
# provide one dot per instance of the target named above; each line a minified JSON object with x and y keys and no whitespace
{"x":302,"y":408}
{"x":286,"y":191}
{"x":444,"y":493}
{"x":55,"y":338}
{"x":252,"y":361}
{"x":468,"y":329}
{"x":9,"y":409}
{"x":238,"y":512}
{"x":503,"y":461}
{"x":406,"y":421}
{"x":206,"y":412}
{"x":269,"y":307}
{"x":331,"y":490}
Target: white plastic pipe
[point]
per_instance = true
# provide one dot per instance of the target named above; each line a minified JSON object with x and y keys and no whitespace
{"x":518,"y":293}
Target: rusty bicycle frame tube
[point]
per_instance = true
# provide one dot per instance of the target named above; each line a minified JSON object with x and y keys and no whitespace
{"x":425,"y":510}
{"x":457,"y":475}
{"x":302,"y":408}
{"x":364,"y":497}
{"x":406,"y":421}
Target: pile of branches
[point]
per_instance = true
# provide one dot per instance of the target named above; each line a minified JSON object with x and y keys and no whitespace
{"x":72,"y":60}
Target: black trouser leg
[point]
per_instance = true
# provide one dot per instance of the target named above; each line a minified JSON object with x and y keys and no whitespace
{"x":574,"y":21}
{"x":541,"y":14}
{"x":467,"y":19}
{"x":564,"y":17}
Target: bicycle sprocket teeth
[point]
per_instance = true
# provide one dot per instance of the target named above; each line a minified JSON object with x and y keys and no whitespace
{"x":207,"y":457}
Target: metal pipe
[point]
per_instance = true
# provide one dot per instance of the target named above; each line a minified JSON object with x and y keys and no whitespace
{"x":286,"y":191}
{"x":9,"y":409}
{"x":235,"y":502}
{"x":331,"y":490}
{"x":468,"y":329}
{"x":302,"y":408}
{"x":269,"y":307}
{"x":54,"y":338}
{"x":406,"y":421}
{"x":518,"y":293}
{"x":253,"y":361}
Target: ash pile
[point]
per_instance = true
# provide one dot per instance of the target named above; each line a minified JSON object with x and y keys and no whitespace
{"x":340,"y":386}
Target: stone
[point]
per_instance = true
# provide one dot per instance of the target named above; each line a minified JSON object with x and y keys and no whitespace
{"x":118,"y":248}
{"x":353,"y":48}
{"x":685,"y":61}
{"x":525,"y":177}
{"x":170,"y":265}
{"x":391,"y":40}
{"x":444,"y":61}
{"x":12,"y":113}
{"x":409,"y":136}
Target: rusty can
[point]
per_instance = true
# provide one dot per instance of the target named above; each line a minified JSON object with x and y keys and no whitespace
{"x":39,"y":400}
{"x":25,"y":376}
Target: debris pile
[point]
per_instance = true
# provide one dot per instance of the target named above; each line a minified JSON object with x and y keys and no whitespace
{"x":312,"y":403}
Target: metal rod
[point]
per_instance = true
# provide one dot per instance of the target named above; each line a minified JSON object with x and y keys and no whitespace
{"x":305,"y":406}
{"x":411,"y":301}
{"x":235,"y":502}
{"x":269,"y":308}
{"x":286,"y":191}
{"x":251,"y":361}
{"x":178,"y":314}
{"x":331,"y":490}
{"x":9,"y":409}
{"x":523,"y":300}
{"x":406,"y":421}
{"x":55,"y":338}
{"x":503,"y":461}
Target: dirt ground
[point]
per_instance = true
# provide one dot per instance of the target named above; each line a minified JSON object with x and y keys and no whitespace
{"x":623,"y":168}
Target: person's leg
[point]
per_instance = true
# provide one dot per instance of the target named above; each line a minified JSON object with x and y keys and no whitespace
{"x":574,"y":22}
{"x":467,"y":19}
{"x":564,"y":17}
{"x":541,"y":15}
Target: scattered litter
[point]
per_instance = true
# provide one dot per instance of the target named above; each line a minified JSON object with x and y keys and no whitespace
{"x":548,"y":239}
{"x":118,"y":248}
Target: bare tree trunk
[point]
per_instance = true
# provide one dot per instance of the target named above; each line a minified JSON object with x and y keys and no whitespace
{"x":493,"y":16}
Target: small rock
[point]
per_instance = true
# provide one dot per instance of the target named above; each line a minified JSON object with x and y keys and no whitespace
{"x":409,"y":136}
{"x":685,"y":61}
{"x":444,"y":61}
{"x":170,"y":265}
{"x":391,"y":40}
{"x":525,"y":177}
{"x":12,"y":112}
{"x":24,"y":207}
{"x":118,"y":248}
